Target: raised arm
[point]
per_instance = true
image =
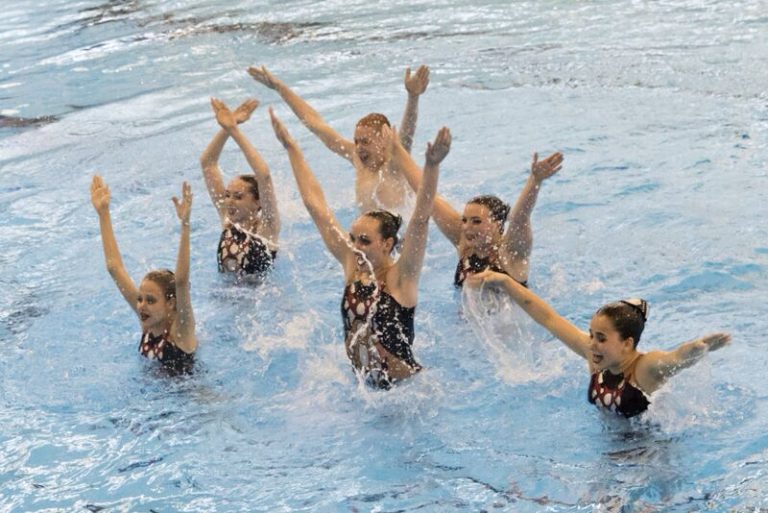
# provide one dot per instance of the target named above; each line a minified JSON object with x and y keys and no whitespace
{"x":309,"y":116}
{"x":312,"y":194}
{"x":415,"y":238}
{"x":270,"y":227}
{"x":538,"y":309}
{"x":518,"y":239}
{"x":184,"y":325}
{"x":100,"y":199}
{"x":448,"y":220}
{"x":209,"y":160}
{"x":655,"y":367}
{"x":415,"y":84}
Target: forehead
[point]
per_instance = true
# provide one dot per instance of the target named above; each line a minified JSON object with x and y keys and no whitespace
{"x":237,"y":184}
{"x":367,"y":132}
{"x":476,"y":210}
{"x":602,"y":324}
{"x":149,"y":287}
{"x":365,"y":225}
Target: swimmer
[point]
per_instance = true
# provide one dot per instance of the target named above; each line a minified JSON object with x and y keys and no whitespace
{"x":162,"y":300}
{"x":247,"y":207}
{"x":479,"y":235}
{"x":622,"y":378}
{"x":377,"y":186}
{"x":380,"y":293}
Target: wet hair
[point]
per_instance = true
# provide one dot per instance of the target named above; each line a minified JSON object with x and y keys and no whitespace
{"x":374,"y":120}
{"x":498,"y":209}
{"x":253,"y":185}
{"x":628,"y":317}
{"x":389,"y":223}
{"x":165,"y":279}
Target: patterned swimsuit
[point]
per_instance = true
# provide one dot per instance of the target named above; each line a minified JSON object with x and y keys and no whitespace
{"x":615,"y":393}
{"x":162,"y":349}
{"x":370,"y":314}
{"x":242,"y":252}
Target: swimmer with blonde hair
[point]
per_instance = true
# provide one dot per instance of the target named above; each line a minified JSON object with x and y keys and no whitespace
{"x":162,"y":299}
{"x":622,"y":378}
{"x":377,"y":185}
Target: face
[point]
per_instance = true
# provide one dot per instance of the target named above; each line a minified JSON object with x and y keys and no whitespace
{"x":609,"y":350}
{"x":155,"y":310}
{"x":239,"y":202}
{"x":366,"y":238}
{"x":369,"y":146}
{"x":480,"y":231}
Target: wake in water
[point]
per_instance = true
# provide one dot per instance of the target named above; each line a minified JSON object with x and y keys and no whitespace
{"x":517,"y":347}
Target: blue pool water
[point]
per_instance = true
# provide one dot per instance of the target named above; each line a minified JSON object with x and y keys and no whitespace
{"x":661,"y":111}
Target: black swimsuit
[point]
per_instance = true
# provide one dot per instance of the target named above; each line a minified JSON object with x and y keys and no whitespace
{"x":474,"y":264}
{"x":243,"y":253}
{"x":384,"y":319}
{"x":615,"y":393}
{"x":162,"y":349}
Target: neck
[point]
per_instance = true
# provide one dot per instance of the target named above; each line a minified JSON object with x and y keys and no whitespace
{"x":250,"y":225}
{"x":626,"y":366}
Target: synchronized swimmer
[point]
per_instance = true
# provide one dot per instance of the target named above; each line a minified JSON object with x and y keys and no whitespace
{"x":493,"y":242}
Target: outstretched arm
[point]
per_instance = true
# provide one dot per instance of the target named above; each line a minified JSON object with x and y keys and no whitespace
{"x":656,"y":367}
{"x":309,"y":116}
{"x":445,"y":216}
{"x":538,"y":309}
{"x":209,"y":160}
{"x":415,"y":238}
{"x":518,"y":239}
{"x":312,"y":194}
{"x":100,"y":199}
{"x":415,"y":84}
{"x":270,"y":227}
{"x":184,"y":325}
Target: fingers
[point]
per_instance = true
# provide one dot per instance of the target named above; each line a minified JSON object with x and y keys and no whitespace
{"x":535,"y":158}
{"x":407,"y":74}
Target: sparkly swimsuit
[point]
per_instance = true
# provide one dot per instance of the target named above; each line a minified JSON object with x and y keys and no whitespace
{"x":243,"y":253}
{"x":474,"y":264}
{"x":615,"y":393}
{"x":383,"y":319}
{"x":161,"y":348}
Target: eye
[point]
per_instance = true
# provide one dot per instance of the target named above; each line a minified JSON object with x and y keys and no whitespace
{"x":364,"y":240}
{"x":463,"y":220}
{"x":352,"y":237}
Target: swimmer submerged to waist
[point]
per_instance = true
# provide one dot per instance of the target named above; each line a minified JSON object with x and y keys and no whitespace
{"x":622,"y":378}
{"x":162,"y":299}
{"x":380,"y":293}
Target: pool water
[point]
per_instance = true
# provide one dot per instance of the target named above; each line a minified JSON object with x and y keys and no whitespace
{"x":661,"y":111}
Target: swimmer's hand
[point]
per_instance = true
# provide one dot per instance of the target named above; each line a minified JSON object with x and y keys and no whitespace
{"x":184,"y":207}
{"x":437,"y":150}
{"x":280,"y":131}
{"x":264,"y":76}
{"x":543,"y":169}
{"x":223,"y":115}
{"x":715,"y":341}
{"x":100,"y":195}
{"x":243,"y":111}
{"x":417,"y":83}
{"x":487,"y":277}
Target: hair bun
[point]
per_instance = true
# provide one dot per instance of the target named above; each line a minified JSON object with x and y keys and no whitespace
{"x":641,"y":305}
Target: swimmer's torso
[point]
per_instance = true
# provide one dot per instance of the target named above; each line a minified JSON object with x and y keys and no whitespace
{"x":243,"y":253}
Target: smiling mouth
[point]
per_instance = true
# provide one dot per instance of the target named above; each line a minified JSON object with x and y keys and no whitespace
{"x":143,"y":317}
{"x":597,"y":358}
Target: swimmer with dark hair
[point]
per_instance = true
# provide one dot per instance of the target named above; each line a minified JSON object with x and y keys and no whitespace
{"x":377,"y":186}
{"x":380,"y":293}
{"x":622,"y":378}
{"x":247,"y":206}
{"x":479,"y":234}
{"x":162,"y":299}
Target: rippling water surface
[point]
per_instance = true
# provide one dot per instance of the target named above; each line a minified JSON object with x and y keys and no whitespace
{"x":661,"y":111}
